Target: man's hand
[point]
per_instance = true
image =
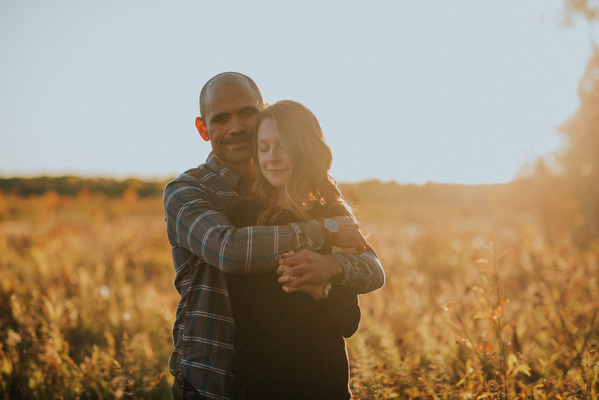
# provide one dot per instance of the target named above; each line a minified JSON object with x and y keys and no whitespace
{"x":308,"y":272}
{"x":349,"y":235}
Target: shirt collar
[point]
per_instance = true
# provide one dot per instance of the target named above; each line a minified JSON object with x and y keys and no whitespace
{"x":234,"y":179}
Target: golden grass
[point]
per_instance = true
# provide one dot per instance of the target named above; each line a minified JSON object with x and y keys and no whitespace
{"x":87,"y":302}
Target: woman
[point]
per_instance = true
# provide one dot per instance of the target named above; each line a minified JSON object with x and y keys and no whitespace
{"x":287,"y":345}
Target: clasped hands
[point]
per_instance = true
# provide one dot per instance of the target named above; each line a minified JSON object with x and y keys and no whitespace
{"x":308,"y":271}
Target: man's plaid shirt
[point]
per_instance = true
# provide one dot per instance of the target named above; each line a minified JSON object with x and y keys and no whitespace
{"x":205,"y":247}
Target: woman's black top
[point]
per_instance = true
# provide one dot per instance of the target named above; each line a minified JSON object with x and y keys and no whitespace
{"x":287,"y":345}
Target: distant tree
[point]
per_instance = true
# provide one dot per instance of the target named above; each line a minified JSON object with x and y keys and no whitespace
{"x":588,"y":9}
{"x":581,"y":158}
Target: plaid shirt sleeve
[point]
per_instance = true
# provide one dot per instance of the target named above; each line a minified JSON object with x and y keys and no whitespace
{"x":363,"y":273}
{"x":195,"y":221}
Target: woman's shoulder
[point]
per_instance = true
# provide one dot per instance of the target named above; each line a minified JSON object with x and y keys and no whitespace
{"x":329,"y":210}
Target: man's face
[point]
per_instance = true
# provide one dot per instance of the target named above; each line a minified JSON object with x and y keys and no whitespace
{"x":230,"y":119}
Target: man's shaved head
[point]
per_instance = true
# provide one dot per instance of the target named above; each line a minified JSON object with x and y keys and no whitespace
{"x":226,"y":78}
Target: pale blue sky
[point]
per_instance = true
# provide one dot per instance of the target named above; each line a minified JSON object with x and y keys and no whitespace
{"x":444,"y":91}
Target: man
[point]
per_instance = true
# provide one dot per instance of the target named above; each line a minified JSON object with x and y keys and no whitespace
{"x":205,"y":246}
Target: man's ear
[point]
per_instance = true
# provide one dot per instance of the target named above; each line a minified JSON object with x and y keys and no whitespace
{"x":202,"y":129}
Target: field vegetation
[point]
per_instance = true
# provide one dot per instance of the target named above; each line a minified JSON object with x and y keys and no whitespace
{"x":492,"y":291}
{"x":489,"y":294}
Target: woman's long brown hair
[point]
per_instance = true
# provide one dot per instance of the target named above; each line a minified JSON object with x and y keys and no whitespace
{"x":311,"y":158}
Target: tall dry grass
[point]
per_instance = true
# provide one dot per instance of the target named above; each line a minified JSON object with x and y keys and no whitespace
{"x":86,"y":298}
{"x":480,"y":308}
{"x":475,"y":306}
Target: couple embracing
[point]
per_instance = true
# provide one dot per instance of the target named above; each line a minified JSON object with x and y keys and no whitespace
{"x":265,"y":301}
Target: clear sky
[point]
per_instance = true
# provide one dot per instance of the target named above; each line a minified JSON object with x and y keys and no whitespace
{"x":411,"y":91}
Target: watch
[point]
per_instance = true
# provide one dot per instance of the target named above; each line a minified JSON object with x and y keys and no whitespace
{"x":330,"y":225}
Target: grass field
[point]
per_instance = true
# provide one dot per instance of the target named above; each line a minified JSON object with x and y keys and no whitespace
{"x":476,"y":305}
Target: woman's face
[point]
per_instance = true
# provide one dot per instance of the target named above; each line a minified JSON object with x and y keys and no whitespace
{"x":274,"y":160}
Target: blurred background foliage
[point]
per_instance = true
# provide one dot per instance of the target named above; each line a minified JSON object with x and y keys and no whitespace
{"x":492,"y":290}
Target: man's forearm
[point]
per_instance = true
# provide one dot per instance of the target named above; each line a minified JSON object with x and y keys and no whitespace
{"x":361,"y":274}
{"x":196,"y":224}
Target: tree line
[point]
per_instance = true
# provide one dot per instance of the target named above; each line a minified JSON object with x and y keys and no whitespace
{"x":553,"y":199}
{"x":74,"y":185}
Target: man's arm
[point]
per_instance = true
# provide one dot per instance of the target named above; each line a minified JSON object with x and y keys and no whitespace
{"x":197,"y":223}
{"x":308,"y":271}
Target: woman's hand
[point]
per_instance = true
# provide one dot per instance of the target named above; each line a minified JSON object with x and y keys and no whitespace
{"x":308,"y":272}
{"x":315,"y":290}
